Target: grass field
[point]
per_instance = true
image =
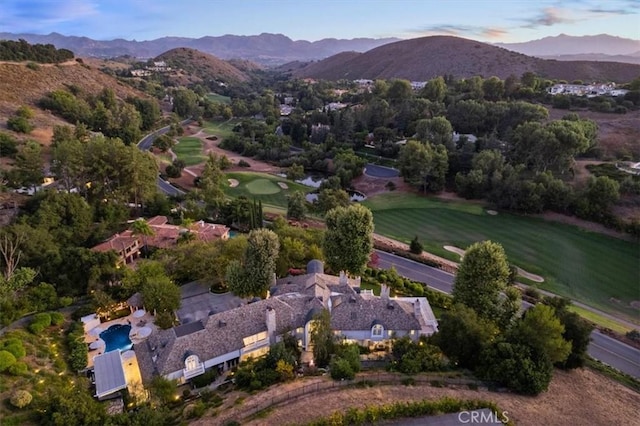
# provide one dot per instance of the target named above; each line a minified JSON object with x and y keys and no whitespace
{"x":221,"y":129}
{"x":595,"y":269}
{"x":264,"y":187}
{"x":215,"y":97}
{"x":189,"y":150}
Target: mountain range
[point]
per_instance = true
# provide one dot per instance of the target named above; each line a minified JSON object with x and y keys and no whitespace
{"x":277,"y":49}
{"x":266,"y":49}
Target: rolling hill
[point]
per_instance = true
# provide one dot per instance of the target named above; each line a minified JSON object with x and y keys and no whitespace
{"x":571,"y":45}
{"x":424,"y":58}
{"x":199,"y":66}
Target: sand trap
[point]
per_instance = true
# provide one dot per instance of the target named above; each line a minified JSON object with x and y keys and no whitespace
{"x":233,"y":183}
{"x":492,"y":212}
{"x":283,"y":185}
{"x":521,"y":272}
{"x":455,"y":250}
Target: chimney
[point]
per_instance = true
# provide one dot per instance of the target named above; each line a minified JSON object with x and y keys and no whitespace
{"x":384,"y":291}
{"x":271,"y":325}
{"x":358,"y":281}
{"x":343,"y":278}
{"x":273,"y":280}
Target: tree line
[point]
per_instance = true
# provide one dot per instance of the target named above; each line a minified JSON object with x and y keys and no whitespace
{"x":21,"y":50}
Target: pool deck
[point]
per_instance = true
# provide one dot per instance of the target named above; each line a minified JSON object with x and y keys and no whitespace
{"x":136,"y":324}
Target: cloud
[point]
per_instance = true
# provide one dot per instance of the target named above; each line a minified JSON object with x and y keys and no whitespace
{"x":461,"y":31}
{"x":548,"y":17}
{"x":39,"y":15}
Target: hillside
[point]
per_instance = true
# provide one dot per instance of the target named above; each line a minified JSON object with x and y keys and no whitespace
{"x":423,"y":58}
{"x":21,"y":85}
{"x":199,"y":66}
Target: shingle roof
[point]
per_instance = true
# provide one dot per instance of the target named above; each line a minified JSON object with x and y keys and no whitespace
{"x":360,"y":314}
{"x":223,"y":333}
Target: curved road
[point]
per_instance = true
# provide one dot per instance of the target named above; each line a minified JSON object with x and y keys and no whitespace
{"x":604,"y":348}
{"x":144,"y":145}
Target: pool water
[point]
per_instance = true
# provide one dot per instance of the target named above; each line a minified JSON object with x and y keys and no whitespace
{"x":116,"y":337}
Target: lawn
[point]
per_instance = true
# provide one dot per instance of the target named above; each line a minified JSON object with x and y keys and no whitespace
{"x":221,"y":129}
{"x":215,"y":97}
{"x":189,"y":150}
{"x":264,"y":187}
{"x":595,"y":269}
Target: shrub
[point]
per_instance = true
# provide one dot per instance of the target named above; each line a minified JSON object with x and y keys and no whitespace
{"x":416,"y":246}
{"x":15,"y":347}
{"x":243,"y":163}
{"x":20,"y":398}
{"x":33,"y":66}
{"x":6,"y":360}
{"x":56,"y":318}
{"x":391,"y":186}
{"x":341,"y":369}
{"x":37,"y":327}
{"x":43,"y":318}
{"x":18,"y":369}
{"x":19,"y":125}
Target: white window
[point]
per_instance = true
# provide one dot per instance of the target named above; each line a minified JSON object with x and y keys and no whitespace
{"x":377,"y":330}
{"x":191,"y":363}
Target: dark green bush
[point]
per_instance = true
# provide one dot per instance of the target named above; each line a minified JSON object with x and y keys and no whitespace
{"x":18,"y":369}
{"x":56,"y":318}
{"x":6,"y":360}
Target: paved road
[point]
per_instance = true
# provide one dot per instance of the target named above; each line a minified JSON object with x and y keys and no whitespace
{"x":610,"y":351}
{"x":144,"y":145}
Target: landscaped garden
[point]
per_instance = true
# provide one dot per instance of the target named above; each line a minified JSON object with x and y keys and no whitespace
{"x":189,"y":150}
{"x":592,"y":268}
{"x":271,"y":190}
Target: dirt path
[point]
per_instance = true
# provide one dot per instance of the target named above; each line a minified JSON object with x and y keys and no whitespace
{"x":574,"y":398}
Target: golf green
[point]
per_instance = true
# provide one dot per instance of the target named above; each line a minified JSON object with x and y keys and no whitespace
{"x":262,"y":187}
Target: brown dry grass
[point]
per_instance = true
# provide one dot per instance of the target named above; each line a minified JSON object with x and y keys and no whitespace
{"x":574,"y":398}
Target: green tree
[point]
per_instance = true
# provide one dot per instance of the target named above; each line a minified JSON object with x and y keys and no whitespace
{"x":254,"y":275}
{"x":211,"y":181}
{"x":481,"y":276}
{"x":493,"y":89}
{"x":65,"y":405}
{"x":516,"y":366}
{"x":416,"y":246}
{"x":322,"y":339}
{"x":577,"y":331}
{"x":424,"y":165}
{"x":462,"y":335}
{"x":296,"y":205}
{"x":68,"y":162}
{"x":399,"y":91}
{"x":436,"y":130}
{"x":295,"y":172}
{"x":329,"y":199}
{"x":30,"y":164}
{"x":435,"y":90}
{"x":348,"y":240}
{"x":543,"y":331}
{"x":141,"y":228}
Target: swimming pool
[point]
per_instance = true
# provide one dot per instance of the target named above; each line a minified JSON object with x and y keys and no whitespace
{"x":116,"y":337}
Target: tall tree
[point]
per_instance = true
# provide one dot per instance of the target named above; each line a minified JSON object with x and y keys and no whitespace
{"x":141,"y":228}
{"x":30,"y":164}
{"x":481,"y":276}
{"x":254,"y":275}
{"x":211,"y":181}
{"x":542,"y":330}
{"x":424,"y":165}
{"x":349,"y":238}
{"x":322,"y":338}
{"x":296,"y":205}
{"x":463,"y":335}
{"x":577,"y":331}
{"x":435,"y":90}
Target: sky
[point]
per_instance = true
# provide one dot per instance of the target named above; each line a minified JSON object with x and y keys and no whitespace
{"x":491,"y":21}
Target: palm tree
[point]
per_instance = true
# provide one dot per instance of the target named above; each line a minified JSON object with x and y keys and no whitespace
{"x":140,"y":227}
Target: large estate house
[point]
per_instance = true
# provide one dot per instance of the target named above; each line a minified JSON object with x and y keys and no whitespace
{"x":224,"y":339}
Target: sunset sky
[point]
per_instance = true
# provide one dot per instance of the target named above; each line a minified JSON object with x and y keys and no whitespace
{"x":489,"y":21}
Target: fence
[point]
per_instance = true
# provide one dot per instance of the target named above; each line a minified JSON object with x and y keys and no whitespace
{"x":275,"y":397}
